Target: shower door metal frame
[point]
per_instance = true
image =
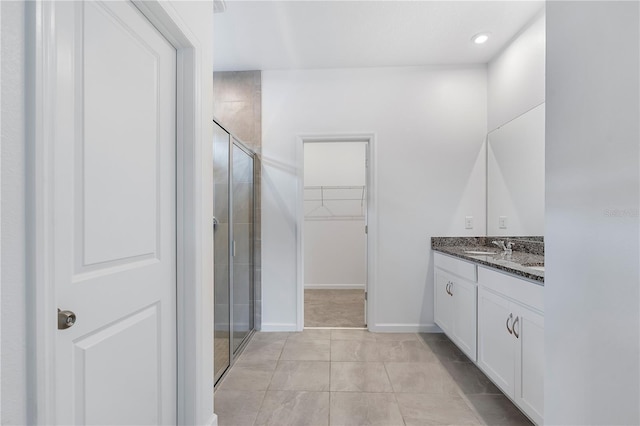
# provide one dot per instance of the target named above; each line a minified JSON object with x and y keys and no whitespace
{"x":233,"y":140}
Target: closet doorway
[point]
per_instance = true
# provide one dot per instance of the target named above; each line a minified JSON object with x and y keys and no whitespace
{"x":335,"y":200}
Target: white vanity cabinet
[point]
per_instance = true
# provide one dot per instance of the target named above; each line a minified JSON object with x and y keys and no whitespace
{"x":511,"y":338}
{"x":455,"y":308}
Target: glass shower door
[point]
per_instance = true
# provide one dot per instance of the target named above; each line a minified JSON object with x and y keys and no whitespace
{"x":221,"y":276}
{"x":242,"y":248}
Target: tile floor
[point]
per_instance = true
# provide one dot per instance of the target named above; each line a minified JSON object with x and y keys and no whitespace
{"x":334,"y":308}
{"x":354,"y":377}
{"x":220,"y":350}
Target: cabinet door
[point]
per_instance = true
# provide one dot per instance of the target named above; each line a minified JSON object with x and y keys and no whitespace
{"x":443,"y":307}
{"x":496,"y":347}
{"x":529,"y":381}
{"x":465,"y":320}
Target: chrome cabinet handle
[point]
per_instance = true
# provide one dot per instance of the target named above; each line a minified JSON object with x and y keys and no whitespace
{"x":447,"y":287}
{"x":510,"y":330}
{"x":450,"y":290}
{"x":515,"y":333}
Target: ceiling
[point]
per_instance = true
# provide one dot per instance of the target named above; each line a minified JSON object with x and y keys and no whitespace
{"x":264,"y":35}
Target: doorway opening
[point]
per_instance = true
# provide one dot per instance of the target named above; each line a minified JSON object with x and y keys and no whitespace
{"x":335,"y":205}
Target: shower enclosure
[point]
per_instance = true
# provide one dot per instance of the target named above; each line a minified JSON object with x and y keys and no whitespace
{"x":234,"y":213}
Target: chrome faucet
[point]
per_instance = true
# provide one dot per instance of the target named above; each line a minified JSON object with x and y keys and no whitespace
{"x":506,"y":248}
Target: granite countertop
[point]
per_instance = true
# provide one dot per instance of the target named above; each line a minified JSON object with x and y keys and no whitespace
{"x":526,"y":252}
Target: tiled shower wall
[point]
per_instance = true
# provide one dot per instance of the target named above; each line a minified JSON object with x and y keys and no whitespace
{"x":237,"y":105}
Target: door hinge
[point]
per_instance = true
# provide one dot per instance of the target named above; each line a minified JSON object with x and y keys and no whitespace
{"x":366,"y":229}
{"x":366,"y":295}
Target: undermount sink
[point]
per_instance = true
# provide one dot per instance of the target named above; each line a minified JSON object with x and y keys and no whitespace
{"x":479,"y":252}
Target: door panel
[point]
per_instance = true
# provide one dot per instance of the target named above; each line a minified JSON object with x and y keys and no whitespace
{"x":111,"y":232}
{"x":495,"y":344}
{"x":242,"y":219}
{"x":221,"y":278}
{"x":115,"y":218}
{"x":465,"y":319}
{"x":443,"y":314}
{"x":101,"y":366}
{"x":529,"y":386}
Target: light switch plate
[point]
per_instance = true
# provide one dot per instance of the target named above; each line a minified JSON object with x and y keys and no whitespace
{"x":468,"y":222}
{"x":502,"y":222}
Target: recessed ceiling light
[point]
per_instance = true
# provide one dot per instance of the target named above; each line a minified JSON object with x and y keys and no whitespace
{"x":480,"y":38}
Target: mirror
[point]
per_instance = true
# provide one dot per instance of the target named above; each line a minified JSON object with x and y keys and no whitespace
{"x":515,"y":176}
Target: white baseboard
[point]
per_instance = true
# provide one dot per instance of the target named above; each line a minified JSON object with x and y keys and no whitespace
{"x":334,"y":286}
{"x":405,"y":328}
{"x":213,"y":420}
{"x":279,"y":327}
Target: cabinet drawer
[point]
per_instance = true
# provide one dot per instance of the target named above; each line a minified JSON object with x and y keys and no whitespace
{"x":519,"y":290}
{"x":455,"y":266}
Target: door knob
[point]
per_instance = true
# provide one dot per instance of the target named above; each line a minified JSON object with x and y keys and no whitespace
{"x":66,"y":319}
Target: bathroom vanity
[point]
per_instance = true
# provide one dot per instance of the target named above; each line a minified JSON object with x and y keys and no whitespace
{"x":491,"y":305}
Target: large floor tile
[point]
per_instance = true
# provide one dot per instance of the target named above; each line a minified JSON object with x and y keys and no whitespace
{"x":470,"y":379}
{"x":301,"y":376}
{"x":237,"y":408}
{"x":404,"y":351}
{"x":429,"y":409}
{"x":395,"y":337}
{"x":310,"y":334}
{"x":359,"y":377}
{"x":263,"y":350}
{"x":421,"y":377}
{"x":445,"y":349}
{"x":270,"y":336}
{"x":497,"y":410}
{"x":339,"y":315}
{"x":281,"y":408}
{"x":334,"y":308}
{"x":249,"y":375}
{"x":432,"y":336}
{"x":354,"y":408}
{"x":346,"y":334}
{"x":354,"y":350}
{"x":306,"y":350}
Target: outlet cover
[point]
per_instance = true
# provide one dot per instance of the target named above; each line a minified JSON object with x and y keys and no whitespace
{"x":502,"y":222}
{"x":468,"y":222}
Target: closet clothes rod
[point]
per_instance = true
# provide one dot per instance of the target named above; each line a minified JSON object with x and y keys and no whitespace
{"x":334,"y":187}
{"x":324,"y":197}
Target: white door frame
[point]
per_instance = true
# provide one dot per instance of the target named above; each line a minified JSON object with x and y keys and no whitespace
{"x":372,"y":217}
{"x":194,"y":229}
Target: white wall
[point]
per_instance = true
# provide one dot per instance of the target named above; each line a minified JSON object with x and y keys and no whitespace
{"x":592,"y":321}
{"x":334,"y":254}
{"x":14,"y":320}
{"x":334,"y":250}
{"x":334,"y":163}
{"x":18,"y":404}
{"x":516,"y":76}
{"x":429,"y":125}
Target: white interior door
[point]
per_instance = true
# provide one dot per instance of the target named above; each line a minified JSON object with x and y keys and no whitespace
{"x":114,"y":219}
